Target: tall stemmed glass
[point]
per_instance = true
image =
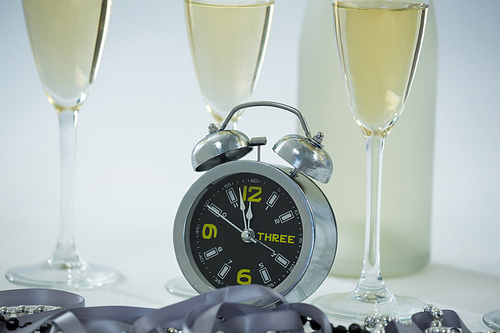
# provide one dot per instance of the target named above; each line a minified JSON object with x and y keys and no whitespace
{"x":378,"y":43}
{"x":228,"y":40}
{"x":67,"y":38}
{"x":492,"y":319}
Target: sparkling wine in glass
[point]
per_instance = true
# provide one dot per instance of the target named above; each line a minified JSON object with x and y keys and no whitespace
{"x":228,"y":40}
{"x":378,"y":43}
{"x":67,"y":38}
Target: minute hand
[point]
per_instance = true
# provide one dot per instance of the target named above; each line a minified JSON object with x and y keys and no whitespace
{"x":265,"y":245}
{"x":216,"y":213}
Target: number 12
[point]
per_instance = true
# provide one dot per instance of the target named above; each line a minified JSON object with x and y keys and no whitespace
{"x":256,"y":190}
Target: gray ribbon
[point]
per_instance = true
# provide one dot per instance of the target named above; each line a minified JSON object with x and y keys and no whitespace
{"x":422,"y":321}
{"x":236,"y":309}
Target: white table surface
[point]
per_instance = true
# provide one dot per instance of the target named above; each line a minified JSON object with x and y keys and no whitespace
{"x":147,"y":262}
{"x":470,"y":294}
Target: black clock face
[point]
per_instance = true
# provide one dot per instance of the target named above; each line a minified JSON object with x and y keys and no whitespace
{"x":244,"y":228}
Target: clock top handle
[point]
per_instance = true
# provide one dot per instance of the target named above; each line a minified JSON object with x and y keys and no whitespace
{"x":305,"y":154}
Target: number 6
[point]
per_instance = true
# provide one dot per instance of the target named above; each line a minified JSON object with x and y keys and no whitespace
{"x":243,"y":277}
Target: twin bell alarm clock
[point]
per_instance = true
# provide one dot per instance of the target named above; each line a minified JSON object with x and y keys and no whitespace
{"x":248,"y":222}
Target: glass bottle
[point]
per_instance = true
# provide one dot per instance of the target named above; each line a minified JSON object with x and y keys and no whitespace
{"x":408,"y":161}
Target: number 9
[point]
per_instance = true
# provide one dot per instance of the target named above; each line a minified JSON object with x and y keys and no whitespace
{"x":208,"y":230}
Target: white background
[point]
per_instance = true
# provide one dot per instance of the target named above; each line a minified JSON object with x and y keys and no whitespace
{"x":145,"y":113}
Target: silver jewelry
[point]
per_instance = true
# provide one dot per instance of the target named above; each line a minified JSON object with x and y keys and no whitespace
{"x":172,"y":330}
{"x":21,"y":310}
{"x":377,"y":324}
{"x":437,"y":316}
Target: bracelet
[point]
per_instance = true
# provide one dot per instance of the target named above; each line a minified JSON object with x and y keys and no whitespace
{"x":22,"y":310}
{"x":9,"y":315}
{"x":430,"y":321}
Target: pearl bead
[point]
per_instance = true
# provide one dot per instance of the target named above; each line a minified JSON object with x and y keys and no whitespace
{"x":429,"y":308}
{"x":437,"y":314}
{"x":21,"y":309}
{"x":39,"y":308}
{"x":171,"y":330}
{"x":370,"y":321}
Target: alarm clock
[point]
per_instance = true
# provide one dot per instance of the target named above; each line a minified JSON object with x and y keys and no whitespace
{"x":248,"y":222}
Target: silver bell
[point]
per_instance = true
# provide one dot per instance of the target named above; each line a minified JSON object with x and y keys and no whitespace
{"x":219,"y":147}
{"x":306,"y":155}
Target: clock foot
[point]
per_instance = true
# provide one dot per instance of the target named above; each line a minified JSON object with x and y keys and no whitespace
{"x":180,"y":287}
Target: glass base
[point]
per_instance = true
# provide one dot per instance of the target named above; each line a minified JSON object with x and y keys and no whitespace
{"x":492,"y":319}
{"x":346,"y":306}
{"x":180,"y":287}
{"x":77,"y":275}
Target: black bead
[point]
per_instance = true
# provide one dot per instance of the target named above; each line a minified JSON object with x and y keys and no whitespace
{"x":340,"y":329}
{"x":12,"y":324}
{"x":45,"y":328}
{"x":303,"y":319}
{"x":314,"y":325}
{"x":354,"y":328}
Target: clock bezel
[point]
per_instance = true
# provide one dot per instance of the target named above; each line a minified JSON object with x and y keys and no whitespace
{"x":318,"y":249}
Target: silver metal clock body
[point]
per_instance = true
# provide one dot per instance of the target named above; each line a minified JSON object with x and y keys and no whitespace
{"x":318,"y":228}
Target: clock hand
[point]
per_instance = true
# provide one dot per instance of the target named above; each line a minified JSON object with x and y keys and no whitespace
{"x":265,"y":245}
{"x":216,"y":213}
{"x":242,"y":208}
{"x":278,"y":257}
{"x":249,"y":214}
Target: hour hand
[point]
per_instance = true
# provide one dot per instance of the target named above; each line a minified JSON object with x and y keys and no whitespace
{"x":249,"y":214}
{"x":242,"y":208}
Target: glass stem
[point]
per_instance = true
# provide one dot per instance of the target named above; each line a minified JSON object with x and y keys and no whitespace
{"x":65,"y":253}
{"x":371,"y":286}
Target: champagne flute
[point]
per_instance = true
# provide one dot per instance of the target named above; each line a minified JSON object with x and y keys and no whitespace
{"x":378,"y":43}
{"x":492,"y":319}
{"x":228,"y":40}
{"x":67,"y":38}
